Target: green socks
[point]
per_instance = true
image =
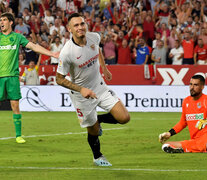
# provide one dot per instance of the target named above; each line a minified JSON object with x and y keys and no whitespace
{"x":17,"y":124}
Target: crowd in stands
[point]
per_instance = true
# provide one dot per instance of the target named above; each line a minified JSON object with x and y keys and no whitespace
{"x":132,"y":31}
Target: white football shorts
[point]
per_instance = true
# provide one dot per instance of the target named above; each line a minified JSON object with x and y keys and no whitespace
{"x":86,"y":108}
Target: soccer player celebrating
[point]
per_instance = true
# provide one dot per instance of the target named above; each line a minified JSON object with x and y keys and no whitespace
{"x":81,"y":57}
{"x":9,"y":66}
{"x":194,"y":112}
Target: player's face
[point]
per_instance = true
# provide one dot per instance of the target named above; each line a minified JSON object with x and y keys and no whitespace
{"x":5,"y":24}
{"x":195,"y":87}
{"x":77,"y":27}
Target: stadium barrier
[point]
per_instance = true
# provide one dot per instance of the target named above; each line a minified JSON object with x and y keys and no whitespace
{"x":135,"y":74}
{"x":136,"y":98}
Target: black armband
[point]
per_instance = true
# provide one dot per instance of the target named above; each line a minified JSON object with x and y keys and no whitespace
{"x":172,"y":132}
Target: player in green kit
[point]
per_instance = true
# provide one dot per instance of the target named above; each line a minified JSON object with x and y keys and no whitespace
{"x":9,"y":66}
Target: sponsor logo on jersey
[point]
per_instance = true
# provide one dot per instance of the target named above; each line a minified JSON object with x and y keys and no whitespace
{"x":142,"y":51}
{"x":89,"y":61}
{"x":8,"y":47}
{"x":193,"y":117}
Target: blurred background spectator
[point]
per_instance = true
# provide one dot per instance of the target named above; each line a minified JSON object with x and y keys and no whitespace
{"x":44,"y":59}
{"x":141,"y":51}
{"x":109,"y":49}
{"x":159,"y":54}
{"x":55,"y":46}
{"x":176,"y":54}
{"x":21,"y":59}
{"x":21,"y":27}
{"x":188,"y":48}
{"x":123,"y":22}
{"x":124,"y":53}
{"x":31,"y":74}
{"x":200,"y":53}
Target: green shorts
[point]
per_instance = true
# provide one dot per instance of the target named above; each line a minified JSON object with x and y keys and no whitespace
{"x":10,"y":88}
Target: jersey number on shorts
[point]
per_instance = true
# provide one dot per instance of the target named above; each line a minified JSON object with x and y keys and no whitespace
{"x":80,"y":114}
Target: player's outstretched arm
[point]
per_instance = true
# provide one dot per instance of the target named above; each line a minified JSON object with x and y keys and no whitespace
{"x":106,"y":72}
{"x":85,"y":92}
{"x":39,"y":49}
{"x":176,"y":129}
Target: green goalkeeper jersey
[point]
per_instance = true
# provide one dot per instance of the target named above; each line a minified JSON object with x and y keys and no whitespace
{"x":9,"y":53}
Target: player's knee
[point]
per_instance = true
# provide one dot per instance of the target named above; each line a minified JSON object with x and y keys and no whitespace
{"x":125,"y":118}
{"x":94,"y":132}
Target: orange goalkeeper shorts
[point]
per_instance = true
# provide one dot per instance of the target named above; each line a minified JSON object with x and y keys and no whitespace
{"x":195,"y":145}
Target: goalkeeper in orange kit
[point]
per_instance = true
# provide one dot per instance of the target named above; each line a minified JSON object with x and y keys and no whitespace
{"x":194,"y":111}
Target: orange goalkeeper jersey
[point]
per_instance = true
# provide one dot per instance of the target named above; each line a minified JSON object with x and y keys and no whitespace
{"x":192,"y":111}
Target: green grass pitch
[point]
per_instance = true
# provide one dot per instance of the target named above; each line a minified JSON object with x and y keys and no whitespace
{"x":57,"y":149}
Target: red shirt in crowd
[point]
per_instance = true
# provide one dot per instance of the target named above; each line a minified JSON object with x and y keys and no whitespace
{"x":90,"y":23}
{"x":161,"y":32}
{"x":150,"y":49}
{"x":45,"y":59}
{"x":119,"y":40}
{"x":188,"y":47}
{"x":124,"y":55}
{"x":34,"y":26}
{"x":180,"y":2}
{"x":149,"y":29}
{"x":77,"y":3}
{"x":47,"y":6}
{"x":201,"y":52}
{"x":135,"y":33}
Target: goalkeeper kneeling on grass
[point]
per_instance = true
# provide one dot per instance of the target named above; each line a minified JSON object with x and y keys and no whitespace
{"x":194,"y":115}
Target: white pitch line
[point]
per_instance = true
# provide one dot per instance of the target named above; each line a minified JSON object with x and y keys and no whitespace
{"x":104,"y":169}
{"x":59,"y":134}
{"x":158,"y":119}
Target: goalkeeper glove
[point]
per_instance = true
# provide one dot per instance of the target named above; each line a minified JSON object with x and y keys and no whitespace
{"x":164,"y":137}
{"x":201,"y":124}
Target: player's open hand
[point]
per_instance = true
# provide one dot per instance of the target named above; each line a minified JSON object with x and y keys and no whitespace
{"x":87,"y":93}
{"x":164,"y":137}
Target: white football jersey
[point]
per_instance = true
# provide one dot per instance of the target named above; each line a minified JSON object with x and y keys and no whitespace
{"x":176,"y":54}
{"x":82,"y":63}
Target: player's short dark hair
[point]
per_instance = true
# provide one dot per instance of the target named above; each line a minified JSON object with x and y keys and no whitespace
{"x":9,"y":16}
{"x":200,"y":77}
{"x":73,"y":15}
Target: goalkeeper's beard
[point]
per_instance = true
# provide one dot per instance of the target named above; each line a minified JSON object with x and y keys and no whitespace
{"x":194,"y":94}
